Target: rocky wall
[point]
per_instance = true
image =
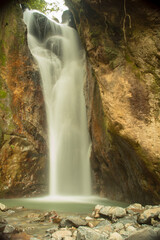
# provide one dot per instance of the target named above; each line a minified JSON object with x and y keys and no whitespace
{"x":121,"y":38}
{"x":23,"y":158}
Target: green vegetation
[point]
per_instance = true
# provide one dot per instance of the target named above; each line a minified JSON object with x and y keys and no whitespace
{"x":3,"y":94}
{"x":2,"y":55}
{"x":41,"y":5}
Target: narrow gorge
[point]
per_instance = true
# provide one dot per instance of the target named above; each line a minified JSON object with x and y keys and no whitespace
{"x":122,"y":97}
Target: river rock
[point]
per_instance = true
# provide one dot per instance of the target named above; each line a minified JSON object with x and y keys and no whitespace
{"x":113,"y":212}
{"x":73,"y":222}
{"x":118,"y":226}
{"x":144,"y":234}
{"x":90,"y":234}
{"x":53,"y":229}
{"x":3,"y":207}
{"x":97,"y":208}
{"x":61,"y":234}
{"x":146,"y":216}
{"x":3,"y":224}
{"x":9,"y":229}
{"x":135,"y":208}
{"x":115,"y":236}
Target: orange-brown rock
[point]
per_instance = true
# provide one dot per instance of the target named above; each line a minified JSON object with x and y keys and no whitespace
{"x":121,"y":38}
{"x":22,"y":111}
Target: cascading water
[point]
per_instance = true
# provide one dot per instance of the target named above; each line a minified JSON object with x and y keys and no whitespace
{"x":61,"y":62}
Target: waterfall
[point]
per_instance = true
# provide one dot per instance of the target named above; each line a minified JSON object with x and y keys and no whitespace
{"x":61,"y":61}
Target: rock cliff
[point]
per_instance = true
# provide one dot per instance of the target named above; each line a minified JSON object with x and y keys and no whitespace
{"x":121,"y":38}
{"x":22,"y":113}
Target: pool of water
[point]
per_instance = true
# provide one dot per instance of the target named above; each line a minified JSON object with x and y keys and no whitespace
{"x":81,"y":205}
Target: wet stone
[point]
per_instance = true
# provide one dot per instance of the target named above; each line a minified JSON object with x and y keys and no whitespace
{"x":53,"y":229}
{"x":148,"y":214}
{"x":113,"y":212}
{"x":9,"y":229}
{"x":73,"y":221}
{"x":3,"y":207}
{"x":115,"y":236}
{"x":144,"y":234}
{"x":62,"y":234}
{"x":90,"y":234}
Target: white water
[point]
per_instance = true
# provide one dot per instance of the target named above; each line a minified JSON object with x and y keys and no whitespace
{"x":62,"y":67}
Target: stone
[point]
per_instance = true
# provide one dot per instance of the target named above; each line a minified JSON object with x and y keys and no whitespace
{"x":62,"y":234}
{"x":146,"y":216}
{"x":144,"y":234}
{"x":9,"y":229}
{"x":130,"y":229}
{"x":118,"y":226}
{"x":68,"y":238}
{"x":2,"y":207}
{"x":115,"y":236}
{"x":135,"y":208}
{"x":23,"y":144}
{"x":132,"y":220}
{"x":95,"y":213}
{"x":3,"y":224}
{"x":73,"y":221}
{"x":53,"y":229}
{"x":113,"y":212}
{"x":90,"y":234}
{"x":88,"y":218}
{"x":9,"y":212}
{"x":103,"y":223}
{"x":89,"y":224}
{"x":122,"y":96}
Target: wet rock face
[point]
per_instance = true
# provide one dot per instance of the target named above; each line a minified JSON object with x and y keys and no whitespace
{"x":123,"y":95}
{"x":22,"y":112}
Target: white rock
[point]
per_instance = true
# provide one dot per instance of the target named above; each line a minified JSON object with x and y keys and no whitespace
{"x":2,"y":207}
{"x":75,"y":233}
{"x":98,"y":207}
{"x":88,"y":218}
{"x":115,"y":236}
{"x":62,"y":234}
{"x":130,"y":229}
{"x":135,"y":206}
{"x":113,"y":212}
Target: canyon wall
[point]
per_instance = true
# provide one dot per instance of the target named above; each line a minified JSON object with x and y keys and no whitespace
{"x":23,"y":158}
{"x":121,"y":38}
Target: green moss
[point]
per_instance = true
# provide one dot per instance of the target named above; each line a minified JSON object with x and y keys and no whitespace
{"x":2,"y":106}
{"x":2,"y":55}
{"x":135,"y":68}
{"x":6,"y":137}
{"x":3,"y":94}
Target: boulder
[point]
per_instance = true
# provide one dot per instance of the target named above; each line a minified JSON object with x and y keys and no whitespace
{"x":73,"y":221}
{"x":3,"y":224}
{"x":90,"y":234}
{"x":9,"y":229}
{"x":144,"y":234}
{"x":146,"y":216}
{"x":61,"y":234}
{"x":113,"y":212}
{"x":2,"y":207}
{"x":115,"y":236}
